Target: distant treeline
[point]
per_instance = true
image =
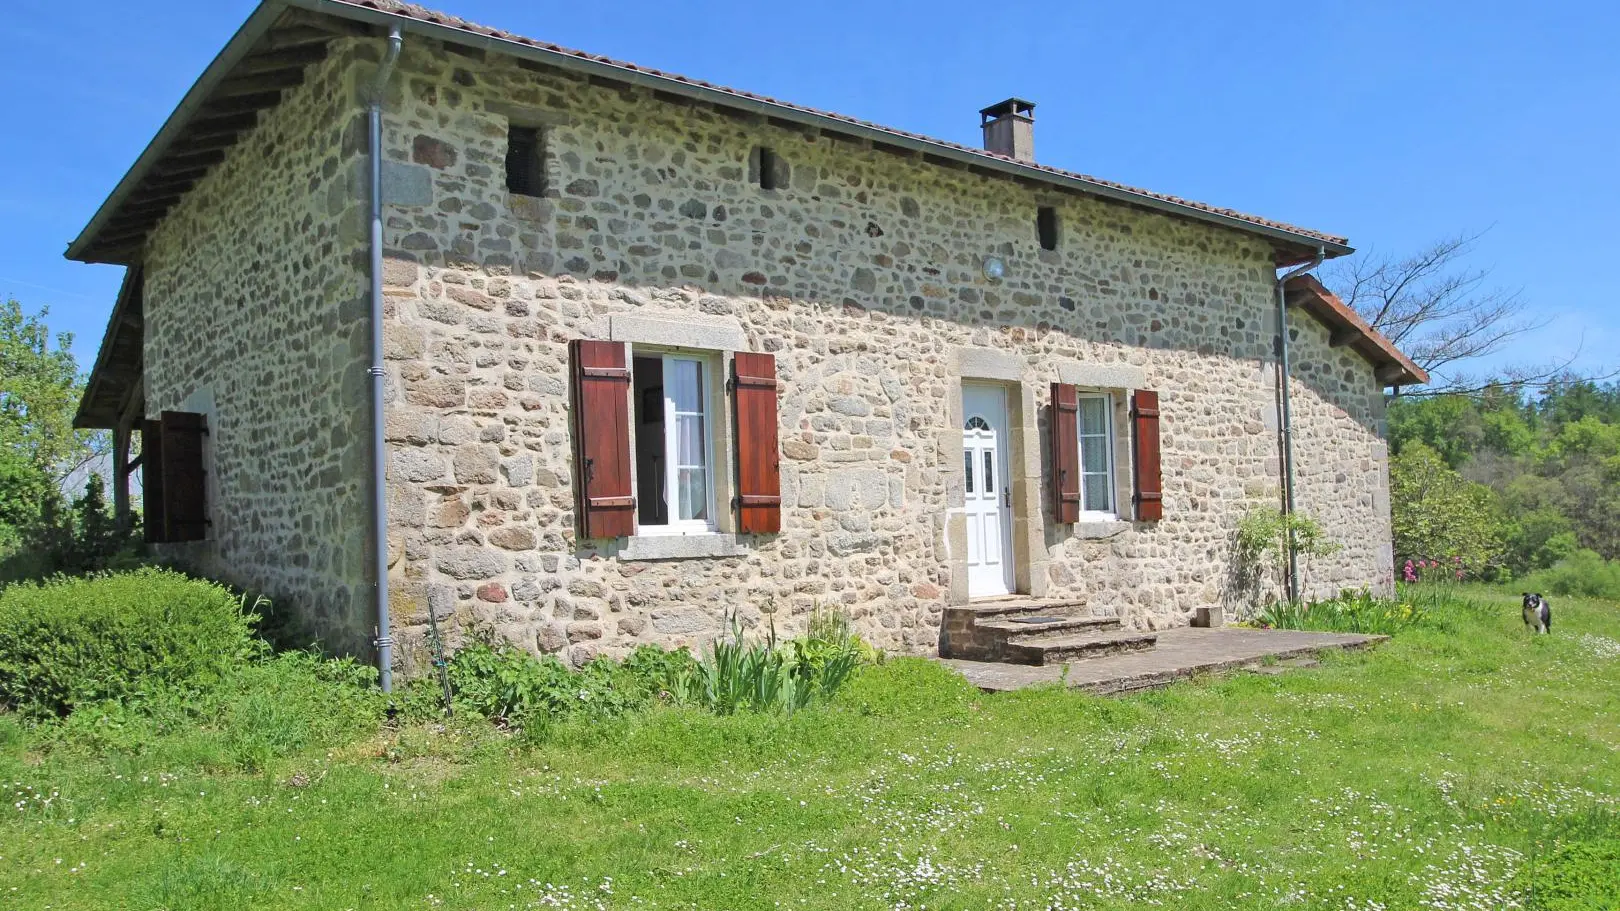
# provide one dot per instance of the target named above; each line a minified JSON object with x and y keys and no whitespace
{"x":1509,"y":482}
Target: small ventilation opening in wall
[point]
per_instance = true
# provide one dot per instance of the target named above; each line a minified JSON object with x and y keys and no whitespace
{"x":767,"y":168}
{"x":525,"y":161}
{"x":1046,"y":227}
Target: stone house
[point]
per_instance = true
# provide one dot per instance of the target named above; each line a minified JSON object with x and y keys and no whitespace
{"x":648,"y":351}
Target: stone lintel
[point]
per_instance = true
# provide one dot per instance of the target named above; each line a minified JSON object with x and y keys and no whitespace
{"x":527,"y":115}
{"x":1102,"y":376}
{"x":678,"y":330}
{"x":988,"y":364}
{"x":681,"y":547}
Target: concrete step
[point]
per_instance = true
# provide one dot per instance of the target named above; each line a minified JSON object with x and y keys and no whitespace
{"x":1007,"y":608}
{"x":1042,"y":628}
{"x":987,"y":630}
{"x":1077,"y":647}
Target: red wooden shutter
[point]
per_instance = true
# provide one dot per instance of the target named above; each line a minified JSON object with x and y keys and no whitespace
{"x":185,"y":503}
{"x":759,"y":468}
{"x":607,"y":505}
{"x":1145,"y":449}
{"x":152,"y":525}
{"x":1065,"y":454}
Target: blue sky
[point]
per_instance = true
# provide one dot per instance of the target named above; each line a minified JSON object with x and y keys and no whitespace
{"x":1394,"y":123}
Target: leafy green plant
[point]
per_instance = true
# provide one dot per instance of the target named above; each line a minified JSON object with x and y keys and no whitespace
{"x":502,"y":682}
{"x":1575,"y":876}
{"x":1261,"y":546}
{"x":739,"y":674}
{"x":1351,"y":612}
{"x":71,"y":641}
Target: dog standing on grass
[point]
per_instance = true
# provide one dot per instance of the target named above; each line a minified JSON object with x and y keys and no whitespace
{"x":1537,"y":613}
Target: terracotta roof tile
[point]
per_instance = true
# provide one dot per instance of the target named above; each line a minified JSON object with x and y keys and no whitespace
{"x":1394,"y":366}
{"x":423,"y":14}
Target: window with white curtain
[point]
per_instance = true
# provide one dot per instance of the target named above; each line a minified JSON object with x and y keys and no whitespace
{"x":673,"y":443}
{"x":1096,"y":425}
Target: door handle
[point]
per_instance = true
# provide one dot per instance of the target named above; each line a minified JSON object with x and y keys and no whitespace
{"x":1006,"y":497}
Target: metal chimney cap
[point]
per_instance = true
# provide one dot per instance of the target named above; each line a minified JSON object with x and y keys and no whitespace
{"x":1015,"y":107}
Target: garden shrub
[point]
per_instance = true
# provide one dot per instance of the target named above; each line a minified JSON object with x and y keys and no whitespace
{"x":1583,"y":574}
{"x":70,"y":641}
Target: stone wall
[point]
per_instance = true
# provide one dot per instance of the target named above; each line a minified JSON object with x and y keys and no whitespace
{"x":256,"y":316}
{"x":863,"y":275}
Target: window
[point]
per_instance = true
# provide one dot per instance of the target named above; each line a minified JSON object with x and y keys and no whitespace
{"x":1096,"y":425}
{"x":1046,"y":227}
{"x":674,"y":473}
{"x":525,"y":161}
{"x":767,"y":168}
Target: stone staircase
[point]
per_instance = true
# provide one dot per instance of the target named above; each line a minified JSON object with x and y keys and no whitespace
{"x":1034,"y":631}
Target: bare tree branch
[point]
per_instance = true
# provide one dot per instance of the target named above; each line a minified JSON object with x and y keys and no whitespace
{"x":1433,"y":307}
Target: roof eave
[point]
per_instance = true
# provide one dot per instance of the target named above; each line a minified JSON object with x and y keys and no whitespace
{"x":238,"y":47}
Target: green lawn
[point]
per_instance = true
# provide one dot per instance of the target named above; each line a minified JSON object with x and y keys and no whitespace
{"x":1466,"y":766}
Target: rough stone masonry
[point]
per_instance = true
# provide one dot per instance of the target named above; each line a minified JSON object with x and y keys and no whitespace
{"x":861,"y":271}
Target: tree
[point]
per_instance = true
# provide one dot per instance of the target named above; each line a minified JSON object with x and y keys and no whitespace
{"x":39,"y":392}
{"x":1438,"y":311}
{"x":1439,"y":514}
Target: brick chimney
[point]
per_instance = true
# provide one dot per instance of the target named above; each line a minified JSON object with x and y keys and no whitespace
{"x":1009,"y":128}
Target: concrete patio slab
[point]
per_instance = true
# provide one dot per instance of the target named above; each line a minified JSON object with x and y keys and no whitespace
{"x":1181,"y":652}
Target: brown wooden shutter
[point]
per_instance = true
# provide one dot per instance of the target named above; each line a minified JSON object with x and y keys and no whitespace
{"x":1145,"y":449}
{"x":152,"y":525}
{"x":759,"y":467}
{"x":607,"y":504}
{"x":1065,"y":454}
{"x":185,"y":501}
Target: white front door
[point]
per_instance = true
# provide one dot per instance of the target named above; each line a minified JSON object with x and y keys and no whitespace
{"x":986,"y":491}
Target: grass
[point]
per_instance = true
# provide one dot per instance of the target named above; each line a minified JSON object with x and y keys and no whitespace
{"x":1464,"y":764}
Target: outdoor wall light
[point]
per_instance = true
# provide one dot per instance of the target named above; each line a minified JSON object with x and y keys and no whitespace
{"x":994,"y":268}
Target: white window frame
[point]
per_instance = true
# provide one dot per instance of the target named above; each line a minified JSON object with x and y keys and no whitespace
{"x":707,"y":367}
{"x":1088,"y":513}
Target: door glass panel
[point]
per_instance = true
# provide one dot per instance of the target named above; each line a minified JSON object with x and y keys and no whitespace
{"x":967,"y":469}
{"x":989,"y":474}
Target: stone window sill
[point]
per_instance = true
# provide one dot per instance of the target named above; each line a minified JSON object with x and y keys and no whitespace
{"x":1100,"y":528}
{"x":681,"y":547}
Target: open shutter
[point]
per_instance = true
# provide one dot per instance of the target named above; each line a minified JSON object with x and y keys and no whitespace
{"x":1145,"y":450}
{"x":759,"y":469}
{"x":1065,"y":454}
{"x":185,"y":504}
{"x":607,"y":506}
{"x":152,"y":526}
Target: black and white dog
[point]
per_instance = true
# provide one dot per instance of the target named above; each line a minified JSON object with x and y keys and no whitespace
{"x":1537,"y":613}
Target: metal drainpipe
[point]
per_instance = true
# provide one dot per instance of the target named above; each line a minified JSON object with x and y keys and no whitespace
{"x":1287,"y":429}
{"x":379,"y":465}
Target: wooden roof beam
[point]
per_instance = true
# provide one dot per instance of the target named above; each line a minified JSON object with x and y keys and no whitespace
{"x":1341,"y":337}
{"x":270,"y":61}
{"x":257,"y":101}
{"x":274,"y":80}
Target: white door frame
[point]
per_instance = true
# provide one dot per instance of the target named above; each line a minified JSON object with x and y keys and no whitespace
{"x":988,"y":507}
